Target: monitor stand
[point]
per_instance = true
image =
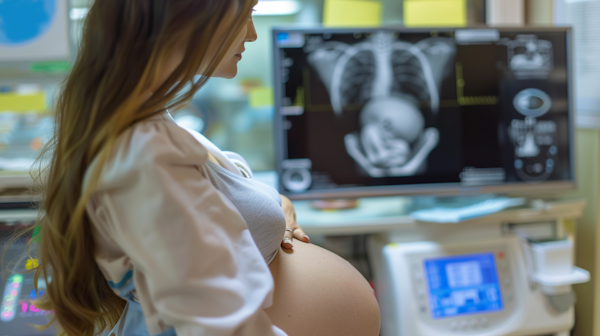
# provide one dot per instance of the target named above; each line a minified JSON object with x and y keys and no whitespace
{"x":335,"y":204}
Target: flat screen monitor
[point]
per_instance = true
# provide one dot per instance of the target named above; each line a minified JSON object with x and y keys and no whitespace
{"x":462,"y":285}
{"x":375,"y":112}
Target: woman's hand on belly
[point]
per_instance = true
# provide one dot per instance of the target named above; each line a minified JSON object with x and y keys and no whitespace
{"x":293,"y":230}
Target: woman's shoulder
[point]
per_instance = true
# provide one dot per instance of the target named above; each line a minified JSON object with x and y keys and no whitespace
{"x":148,"y":144}
{"x":159,"y":136}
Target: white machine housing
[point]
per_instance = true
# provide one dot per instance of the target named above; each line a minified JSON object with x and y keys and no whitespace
{"x":525,"y":308}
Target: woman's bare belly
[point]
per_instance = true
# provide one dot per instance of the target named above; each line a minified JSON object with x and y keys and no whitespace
{"x":318,"y":293}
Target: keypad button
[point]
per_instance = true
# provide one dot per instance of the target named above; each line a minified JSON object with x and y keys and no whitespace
{"x":474,"y":324}
{"x":484,"y":322}
{"x":509,"y":297}
{"x":421,"y":292}
{"x":464,"y":325}
{"x":454,"y":326}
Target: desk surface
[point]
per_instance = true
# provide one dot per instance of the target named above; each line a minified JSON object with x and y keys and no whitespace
{"x":375,"y":215}
{"x":392,"y":213}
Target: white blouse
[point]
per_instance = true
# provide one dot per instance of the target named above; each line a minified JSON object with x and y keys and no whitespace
{"x":195,"y":265}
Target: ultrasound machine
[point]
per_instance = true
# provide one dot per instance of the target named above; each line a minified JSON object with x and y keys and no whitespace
{"x":442,"y":112}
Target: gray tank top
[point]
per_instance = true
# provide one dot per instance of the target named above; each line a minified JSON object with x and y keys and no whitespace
{"x":258,"y":203}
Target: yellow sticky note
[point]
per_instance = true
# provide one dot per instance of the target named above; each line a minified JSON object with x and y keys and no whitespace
{"x":352,"y":13}
{"x":435,"y":13}
{"x":14,"y":102}
{"x":261,"y":96}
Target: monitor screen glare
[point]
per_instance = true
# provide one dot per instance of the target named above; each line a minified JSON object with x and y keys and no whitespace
{"x":397,"y":111}
{"x":460,"y":285}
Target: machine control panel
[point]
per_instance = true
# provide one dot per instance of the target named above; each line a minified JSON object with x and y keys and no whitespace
{"x":463,"y":293}
{"x":464,"y":286}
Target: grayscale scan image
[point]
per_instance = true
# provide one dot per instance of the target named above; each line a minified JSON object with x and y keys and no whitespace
{"x":530,"y":57}
{"x":378,"y":108}
{"x":393,"y":78}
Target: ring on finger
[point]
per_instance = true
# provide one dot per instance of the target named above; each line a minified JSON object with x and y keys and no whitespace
{"x":287,"y":241}
{"x":289,"y":229}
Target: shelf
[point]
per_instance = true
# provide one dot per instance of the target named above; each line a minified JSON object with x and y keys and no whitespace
{"x":577,"y":276}
{"x":377,"y":215}
{"x":14,"y":180}
{"x":385,"y":214}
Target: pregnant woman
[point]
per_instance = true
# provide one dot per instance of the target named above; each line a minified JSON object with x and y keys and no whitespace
{"x":148,"y":229}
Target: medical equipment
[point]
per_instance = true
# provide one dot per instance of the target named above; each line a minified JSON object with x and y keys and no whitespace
{"x":17,"y":311}
{"x":506,"y":274}
{"x":377,"y":112}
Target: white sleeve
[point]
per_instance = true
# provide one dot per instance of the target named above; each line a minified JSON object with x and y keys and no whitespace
{"x":196,"y":267}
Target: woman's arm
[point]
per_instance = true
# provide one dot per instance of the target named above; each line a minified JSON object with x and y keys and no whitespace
{"x":196,"y":267}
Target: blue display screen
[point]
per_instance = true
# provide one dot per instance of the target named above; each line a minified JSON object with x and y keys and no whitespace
{"x":466,"y":284}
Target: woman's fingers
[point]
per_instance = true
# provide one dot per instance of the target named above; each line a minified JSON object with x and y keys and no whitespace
{"x":291,"y":233}
{"x":293,"y":230}
{"x":300,"y":235}
{"x":287,"y":240}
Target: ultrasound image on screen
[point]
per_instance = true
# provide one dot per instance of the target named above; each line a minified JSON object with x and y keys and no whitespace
{"x":382,"y":107}
{"x":392,"y":139}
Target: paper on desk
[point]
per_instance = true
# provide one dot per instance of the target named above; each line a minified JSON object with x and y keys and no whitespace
{"x":455,"y":215}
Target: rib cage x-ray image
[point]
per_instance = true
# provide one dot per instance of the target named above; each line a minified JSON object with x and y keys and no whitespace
{"x":393,"y":79}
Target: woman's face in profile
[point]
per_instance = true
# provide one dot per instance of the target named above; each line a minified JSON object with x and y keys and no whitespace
{"x":228,"y":66}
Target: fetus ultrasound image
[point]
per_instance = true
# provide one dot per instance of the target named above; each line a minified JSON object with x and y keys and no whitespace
{"x":387,"y":108}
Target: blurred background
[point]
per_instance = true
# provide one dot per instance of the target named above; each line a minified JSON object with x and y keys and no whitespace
{"x":237,"y":114}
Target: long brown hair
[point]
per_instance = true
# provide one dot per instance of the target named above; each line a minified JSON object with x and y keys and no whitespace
{"x":124,"y":47}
